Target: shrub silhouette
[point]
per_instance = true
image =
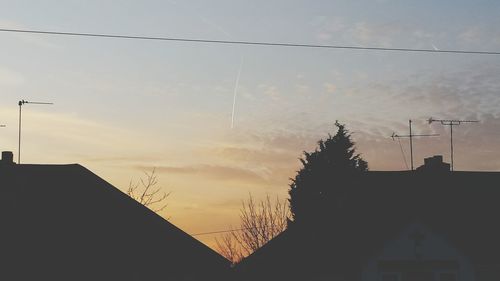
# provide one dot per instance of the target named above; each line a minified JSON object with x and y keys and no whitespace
{"x":326,"y":172}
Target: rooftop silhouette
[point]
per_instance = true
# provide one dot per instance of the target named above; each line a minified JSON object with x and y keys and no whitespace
{"x":62,"y":222}
{"x":422,"y":225}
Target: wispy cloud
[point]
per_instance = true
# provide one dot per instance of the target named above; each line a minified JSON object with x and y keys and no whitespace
{"x":122,"y":159}
{"x":257,"y":156}
{"x":479,"y":36}
{"x":402,"y":34}
{"x":366,"y":33}
{"x":330,"y":88}
{"x":270,"y":91}
{"x":328,"y":27}
{"x":214,"y":172}
{"x":69,"y":135}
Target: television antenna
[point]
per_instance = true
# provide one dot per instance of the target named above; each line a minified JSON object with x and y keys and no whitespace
{"x":451,"y":123}
{"x":410,"y":136}
{"x":21,"y":103}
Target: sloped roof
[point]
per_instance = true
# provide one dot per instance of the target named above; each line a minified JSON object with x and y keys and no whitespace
{"x":462,"y":206}
{"x":62,"y":222}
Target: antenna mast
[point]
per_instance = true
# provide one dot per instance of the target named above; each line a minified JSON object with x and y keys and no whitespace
{"x":411,"y":135}
{"x":451,"y":123}
{"x":21,"y":103}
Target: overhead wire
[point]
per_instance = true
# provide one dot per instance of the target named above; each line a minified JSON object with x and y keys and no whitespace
{"x":255,"y":43}
{"x":221,"y":231}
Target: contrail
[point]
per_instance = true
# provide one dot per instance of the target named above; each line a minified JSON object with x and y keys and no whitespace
{"x":236,"y":85}
{"x":222,"y":30}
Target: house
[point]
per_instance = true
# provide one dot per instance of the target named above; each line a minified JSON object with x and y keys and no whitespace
{"x":427,"y":225}
{"x":62,"y":222}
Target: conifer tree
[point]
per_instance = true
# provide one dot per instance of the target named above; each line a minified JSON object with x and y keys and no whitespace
{"x":325,"y":174}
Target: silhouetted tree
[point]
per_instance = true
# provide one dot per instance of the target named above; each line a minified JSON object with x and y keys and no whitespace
{"x":145,"y":192}
{"x":229,"y":248}
{"x":259,"y":223}
{"x":326,"y":172}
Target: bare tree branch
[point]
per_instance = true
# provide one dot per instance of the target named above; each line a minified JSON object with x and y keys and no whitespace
{"x":229,"y":248}
{"x":145,"y":192}
{"x":259,"y":223}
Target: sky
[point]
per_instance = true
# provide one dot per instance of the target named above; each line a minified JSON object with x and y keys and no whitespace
{"x":123,"y":107}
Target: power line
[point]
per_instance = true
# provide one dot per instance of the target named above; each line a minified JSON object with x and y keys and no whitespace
{"x":230,"y":42}
{"x":222,"y":231}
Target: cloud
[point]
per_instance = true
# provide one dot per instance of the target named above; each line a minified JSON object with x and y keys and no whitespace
{"x":470,"y":93}
{"x":476,"y":146}
{"x":462,"y":93}
{"x":479,"y":36}
{"x":381,"y":34}
{"x":67,"y":135}
{"x":123,"y":159}
{"x":270,"y":91}
{"x":329,"y":87}
{"x":264,"y":156}
{"x":215,"y":172}
{"x":401,"y":34}
{"x":467,"y":91}
{"x":471,"y":34}
{"x":328,"y":27}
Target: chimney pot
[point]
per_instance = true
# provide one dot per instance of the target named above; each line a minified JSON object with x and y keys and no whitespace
{"x":435,"y":164}
{"x":7,"y":158}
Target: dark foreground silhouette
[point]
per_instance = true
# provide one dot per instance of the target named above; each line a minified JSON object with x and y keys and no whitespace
{"x":62,"y":222}
{"x":427,"y":225}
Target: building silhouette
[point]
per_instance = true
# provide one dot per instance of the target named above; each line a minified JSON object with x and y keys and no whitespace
{"x":434,"y":164}
{"x":427,"y":225}
{"x":62,"y":222}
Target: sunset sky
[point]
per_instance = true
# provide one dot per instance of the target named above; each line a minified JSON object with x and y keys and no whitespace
{"x":125,"y":106}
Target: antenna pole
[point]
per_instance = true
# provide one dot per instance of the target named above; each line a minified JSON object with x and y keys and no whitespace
{"x":411,"y":135}
{"x":21,"y":102}
{"x":451,"y":145}
{"x":451,"y":123}
{"x":19,"y":139}
{"x":411,"y":145}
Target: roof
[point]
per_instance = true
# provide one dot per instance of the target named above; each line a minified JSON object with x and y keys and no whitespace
{"x":376,"y":206}
{"x":64,"y":222}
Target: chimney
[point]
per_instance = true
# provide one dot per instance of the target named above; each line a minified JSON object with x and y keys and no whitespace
{"x":7,"y":158}
{"x":434,"y":164}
